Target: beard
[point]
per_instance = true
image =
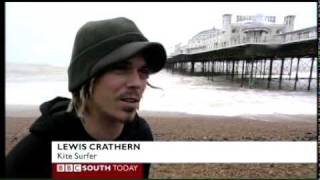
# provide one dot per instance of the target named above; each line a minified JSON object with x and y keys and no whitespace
{"x":131,"y":113}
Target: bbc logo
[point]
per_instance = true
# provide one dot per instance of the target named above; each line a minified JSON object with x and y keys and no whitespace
{"x":68,"y":167}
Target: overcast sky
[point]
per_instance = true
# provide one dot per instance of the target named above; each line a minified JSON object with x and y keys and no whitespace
{"x":44,"y":32}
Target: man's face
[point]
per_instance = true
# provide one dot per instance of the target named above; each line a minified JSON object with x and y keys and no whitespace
{"x":117,"y":93}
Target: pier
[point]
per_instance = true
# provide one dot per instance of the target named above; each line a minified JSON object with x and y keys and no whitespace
{"x":291,"y":65}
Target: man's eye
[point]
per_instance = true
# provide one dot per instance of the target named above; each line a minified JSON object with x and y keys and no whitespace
{"x":145,"y":72}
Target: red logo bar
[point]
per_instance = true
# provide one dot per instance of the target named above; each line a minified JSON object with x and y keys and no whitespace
{"x":97,"y":170}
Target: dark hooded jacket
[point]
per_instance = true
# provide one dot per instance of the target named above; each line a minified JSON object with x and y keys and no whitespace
{"x":31,"y":157}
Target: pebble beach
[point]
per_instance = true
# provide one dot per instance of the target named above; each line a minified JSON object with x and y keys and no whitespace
{"x":186,"y":127}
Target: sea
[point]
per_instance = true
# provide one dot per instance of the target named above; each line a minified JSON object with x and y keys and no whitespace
{"x":33,"y":84}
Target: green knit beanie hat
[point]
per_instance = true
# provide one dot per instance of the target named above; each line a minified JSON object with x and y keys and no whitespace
{"x":101,"y":43}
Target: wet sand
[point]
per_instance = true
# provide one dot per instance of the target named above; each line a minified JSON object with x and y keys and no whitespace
{"x":185,"y":127}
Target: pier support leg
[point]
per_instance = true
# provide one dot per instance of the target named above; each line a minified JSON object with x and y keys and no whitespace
{"x":290,"y":68}
{"x":192,"y":67}
{"x":296,"y":80}
{"x":243,"y":72}
{"x":222,"y":67}
{"x":237,"y":68}
{"x":202,"y":67}
{"x":227,"y":69}
{"x":260,"y":74}
{"x":310,"y":77}
{"x":256,"y":69}
{"x":281,"y":72}
{"x":213,"y":67}
{"x":232,"y":73}
{"x":209,"y":67}
{"x":251,"y":82}
{"x":264,"y":68}
{"x":270,"y":73}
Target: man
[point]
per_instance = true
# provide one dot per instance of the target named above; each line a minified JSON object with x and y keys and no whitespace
{"x":107,"y":75}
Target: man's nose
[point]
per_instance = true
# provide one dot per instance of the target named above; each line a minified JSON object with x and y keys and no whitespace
{"x":135,"y":80}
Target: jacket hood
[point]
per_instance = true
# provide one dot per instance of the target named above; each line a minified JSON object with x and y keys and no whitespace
{"x":55,"y":122}
{"x":54,"y":106}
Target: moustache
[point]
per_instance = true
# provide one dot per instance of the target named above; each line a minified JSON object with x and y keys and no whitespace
{"x":130,"y":95}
